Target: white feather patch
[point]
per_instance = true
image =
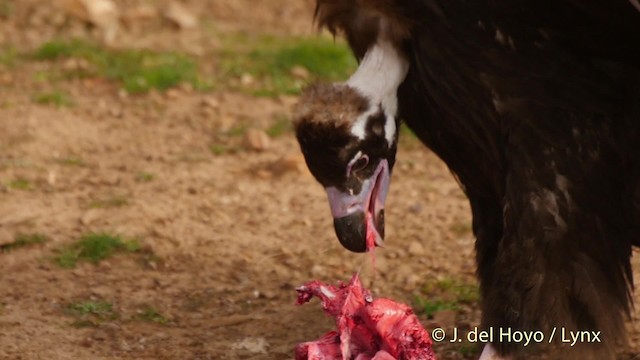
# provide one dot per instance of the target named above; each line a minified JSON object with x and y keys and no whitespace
{"x":378,"y":77}
{"x":390,"y":130}
{"x":359,"y":128}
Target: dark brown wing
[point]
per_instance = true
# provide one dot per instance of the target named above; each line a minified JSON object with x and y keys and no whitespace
{"x":535,"y":106}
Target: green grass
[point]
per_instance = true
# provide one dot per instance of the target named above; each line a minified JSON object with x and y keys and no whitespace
{"x":461,"y":228}
{"x":430,"y":307}
{"x":446,"y":294}
{"x":220,"y":149}
{"x":468,"y":350}
{"x":407,"y":137}
{"x":23,"y":240}
{"x":461,"y":291}
{"x":56,"y":98}
{"x":8,"y":57}
{"x":150,"y":314}
{"x":270,"y":61}
{"x":71,"y":161}
{"x":281,"y":126}
{"x":6,"y":8}
{"x":109,"y":202}
{"x":94,"y":248}
{"x":137,"y":70}
{"x":237,"y":131}
{"x":144,"y":177}
{"x":90,"y":313}
{"x":20,"y":184}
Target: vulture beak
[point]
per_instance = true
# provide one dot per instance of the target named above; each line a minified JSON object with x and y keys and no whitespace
{"x":359,"y":218}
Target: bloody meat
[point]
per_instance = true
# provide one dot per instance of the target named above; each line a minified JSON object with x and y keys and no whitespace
{"x":368,"y":329}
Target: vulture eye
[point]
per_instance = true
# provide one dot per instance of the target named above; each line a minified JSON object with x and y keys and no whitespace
{"x":358,"y":163}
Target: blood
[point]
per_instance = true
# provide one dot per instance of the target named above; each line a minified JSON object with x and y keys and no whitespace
{"x":371,"y":240}
{"x":367,"y":329}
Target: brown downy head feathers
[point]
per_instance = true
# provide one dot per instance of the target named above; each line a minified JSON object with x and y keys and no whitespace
{"x":333,"y":105}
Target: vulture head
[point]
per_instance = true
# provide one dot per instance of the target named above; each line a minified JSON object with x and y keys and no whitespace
{"x":348,"y":135}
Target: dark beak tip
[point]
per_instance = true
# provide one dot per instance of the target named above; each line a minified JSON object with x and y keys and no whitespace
{"x":351,"y":232}
{"x":356,"y":247}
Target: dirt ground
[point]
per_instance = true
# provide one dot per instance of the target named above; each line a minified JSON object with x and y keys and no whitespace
{"x":227,"y":237}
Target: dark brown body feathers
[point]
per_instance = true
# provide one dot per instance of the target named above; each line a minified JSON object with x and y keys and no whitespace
{"x":535,"y":107}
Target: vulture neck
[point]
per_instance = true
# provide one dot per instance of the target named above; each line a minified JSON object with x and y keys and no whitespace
{"x":378,"y":77}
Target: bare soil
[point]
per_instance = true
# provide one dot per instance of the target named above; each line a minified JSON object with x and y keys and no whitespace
{"x":227,"y":237}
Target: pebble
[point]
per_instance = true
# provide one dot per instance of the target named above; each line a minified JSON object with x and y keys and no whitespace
{"x":210,"y":102}
{"x":226,"y":123}
{"x":102,"y":13}
{"x":256,"y":345}
{"x":246,"y":79}
{"x":257,"y":140}
{"x":300,"y":72}
{"x":416,"y":248}
{"x":140,"y":13}
{"x":288,"y":164}
{"x":172,"y":94}
{"x":317,"y":270}
{"x":180,"y":15}
{"x":91,"y":216}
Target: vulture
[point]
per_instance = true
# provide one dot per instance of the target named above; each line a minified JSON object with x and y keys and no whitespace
{"x":534,"y":105}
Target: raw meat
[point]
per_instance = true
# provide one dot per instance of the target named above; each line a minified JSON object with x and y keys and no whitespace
{"x":368,"y":329}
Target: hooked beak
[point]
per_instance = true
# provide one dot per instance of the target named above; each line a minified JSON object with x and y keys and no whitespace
{"x":359,"y":218}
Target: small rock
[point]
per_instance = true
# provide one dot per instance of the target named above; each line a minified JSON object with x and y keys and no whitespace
{"x":180,"y":15}
{"x":269,"y":295}
{"x":116,"y":112}
{"x":210,"y":102}
{"x":79,"y":272}
{"x":288,"y":164}
{"x":246,"y":79}
{"x":416,"y":208}
{"x":264,"y":174}
{"x":172,"y":94}
{"x":411,"y":281}
{"x":51,"y":177}
{"x":124,"y":346}
{"x":317,"y":270}
{"x":391,"y":254}
{"x":289,"y":101}
{"x":226,"y":123}
{"x":416,"y":248}
{"x":90,"y":216}
{"x":75,"y":64}
{"x":140,"y":13}
{"x":300,"y":72}
{"x":256,"y":345}
{"x":102,"y":291}
{"x":102,"y":13}
{"x":257,"y":140}
{"x":445,"y":318}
